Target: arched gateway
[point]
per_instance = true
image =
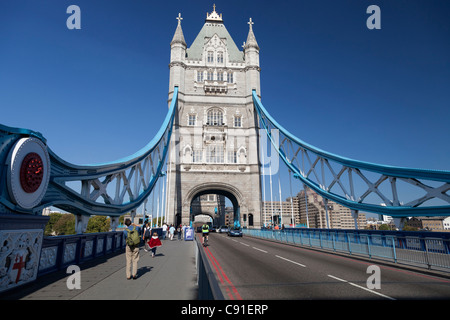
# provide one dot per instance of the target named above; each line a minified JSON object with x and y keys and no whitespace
{"x":214,"y":148}
{"x":221,"y":189}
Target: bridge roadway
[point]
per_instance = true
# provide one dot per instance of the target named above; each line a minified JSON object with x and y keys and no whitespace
{"x":246,"y":268}
{"x":250,"y":268}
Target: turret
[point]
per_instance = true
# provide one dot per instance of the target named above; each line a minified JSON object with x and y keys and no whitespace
{"x":252,"y":69}
{"x":177,"y":58}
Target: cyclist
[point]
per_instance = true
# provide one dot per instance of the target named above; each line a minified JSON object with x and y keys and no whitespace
{"x":205,"y":232}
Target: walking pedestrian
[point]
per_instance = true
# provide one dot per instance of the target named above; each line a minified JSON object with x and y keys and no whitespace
{"x":164,"y":231}
{"x":171,"y":231}
{"x":146,"y":235}
{"x":183,"y":231}
{"x":132,"y":240}
{"x":154,"y":243}
{"x":179,"y":232}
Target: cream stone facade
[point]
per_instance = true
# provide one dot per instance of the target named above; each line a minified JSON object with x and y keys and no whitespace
{"x":214,"y":147}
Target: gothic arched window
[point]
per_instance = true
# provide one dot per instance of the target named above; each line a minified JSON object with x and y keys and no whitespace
{"x":210,"y":75}
{"x":210,"y":56}
{"x":220,"y":57}
{"x":215,"y":117}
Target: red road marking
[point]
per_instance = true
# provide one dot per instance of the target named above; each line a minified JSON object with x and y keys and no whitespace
{"x":218,"y":267}
{"x":208,"y":253}
{"x":236,"y":293}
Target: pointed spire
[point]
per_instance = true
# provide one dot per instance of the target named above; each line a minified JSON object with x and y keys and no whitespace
{"x":178,"y":37}
{"x":251,"y":40}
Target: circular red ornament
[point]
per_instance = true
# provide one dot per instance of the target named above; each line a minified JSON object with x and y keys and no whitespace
{"x":31,"y":172}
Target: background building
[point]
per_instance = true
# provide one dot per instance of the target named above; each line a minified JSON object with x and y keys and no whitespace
{"x":437,"y":224}
{"x":310,"y":211}
{"x":284,"y":212}
{"x":212,"y":205}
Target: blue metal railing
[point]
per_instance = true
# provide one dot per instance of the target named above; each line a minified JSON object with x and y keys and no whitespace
{"x":421,"y":249}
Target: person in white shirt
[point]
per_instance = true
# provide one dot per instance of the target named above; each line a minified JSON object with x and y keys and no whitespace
{"x":183,"y":230}
{"x":164,"y":231}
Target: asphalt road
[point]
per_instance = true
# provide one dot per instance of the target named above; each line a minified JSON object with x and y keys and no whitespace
{"x":249,"y":268}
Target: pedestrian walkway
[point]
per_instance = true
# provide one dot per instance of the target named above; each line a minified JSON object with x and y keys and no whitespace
{"x":170,"y":275}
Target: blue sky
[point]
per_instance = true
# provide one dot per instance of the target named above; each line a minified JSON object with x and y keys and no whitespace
{"x":100,"y":93}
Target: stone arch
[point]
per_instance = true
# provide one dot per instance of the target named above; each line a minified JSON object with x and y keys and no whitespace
{"x":227,"y":190}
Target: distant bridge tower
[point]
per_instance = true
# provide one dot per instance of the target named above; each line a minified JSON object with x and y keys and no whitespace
{"x":215,"y":143}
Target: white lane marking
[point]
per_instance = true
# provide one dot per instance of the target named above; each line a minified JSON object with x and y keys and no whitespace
{"x":260,"y":249}
{"x":336,"y":278}
{"x":367,"y":289}
{"x":244,"y":244}
{"x":301,"y":265}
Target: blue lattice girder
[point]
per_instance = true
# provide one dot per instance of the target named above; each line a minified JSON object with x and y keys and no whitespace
{"x":334,"y":177}
{"x":111,"y":188}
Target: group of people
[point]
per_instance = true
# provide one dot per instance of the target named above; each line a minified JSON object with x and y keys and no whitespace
{"x":180,"y":230}
{"x":133,"y":236}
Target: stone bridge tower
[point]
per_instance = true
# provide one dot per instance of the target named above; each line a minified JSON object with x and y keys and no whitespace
{"x":215,"y":143}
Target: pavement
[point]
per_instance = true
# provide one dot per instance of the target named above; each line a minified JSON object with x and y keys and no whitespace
{"x":170,"y":275}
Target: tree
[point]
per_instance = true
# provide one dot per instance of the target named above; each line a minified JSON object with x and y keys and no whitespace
{"x":98,"y":224}
{"x":65,"y":225}
{"x":384,"y":226}
{"x":54,"y":217}
{"x":159,"y":222}
{"x":409,"y":228}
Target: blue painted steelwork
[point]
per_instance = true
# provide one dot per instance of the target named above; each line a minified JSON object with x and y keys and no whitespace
{"x":324,"y":166}
{"x":11,"y":131}
{"x":111,"y":188}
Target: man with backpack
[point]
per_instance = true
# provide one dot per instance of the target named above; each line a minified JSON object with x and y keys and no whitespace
{"x":132,"y":240}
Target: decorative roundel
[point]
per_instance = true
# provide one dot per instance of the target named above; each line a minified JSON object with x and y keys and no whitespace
{"x":29,"y":172}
